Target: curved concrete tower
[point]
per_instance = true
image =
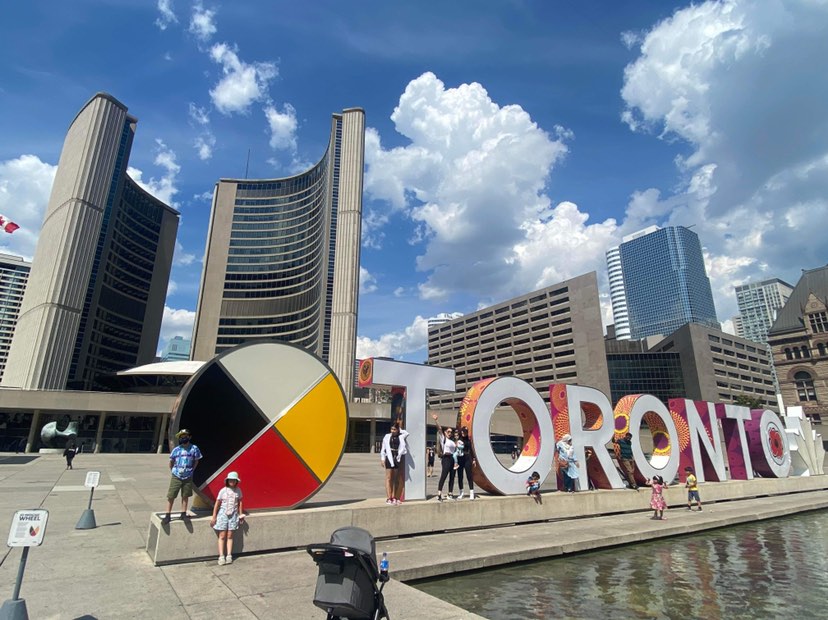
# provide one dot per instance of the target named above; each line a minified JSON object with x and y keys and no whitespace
{"x":96,"y":290}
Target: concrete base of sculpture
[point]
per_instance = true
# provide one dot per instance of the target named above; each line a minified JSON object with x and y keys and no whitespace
{"x":50,"y":451}
{"x":193,"y":539}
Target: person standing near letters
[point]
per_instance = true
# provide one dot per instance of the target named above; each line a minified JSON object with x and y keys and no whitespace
{"x":566,"y":454}
{"x":625,"y":459}
{"x":466,"y":463}
{"x":447,"y":449}
{"x":392,"y":456}
{"x":184,"y":459}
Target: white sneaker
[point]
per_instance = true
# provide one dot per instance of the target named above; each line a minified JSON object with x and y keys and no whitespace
{"x":228,"y":559}
{"x":221,"y":561}
{"x":462,"y":493}
{"x":471,"y":494}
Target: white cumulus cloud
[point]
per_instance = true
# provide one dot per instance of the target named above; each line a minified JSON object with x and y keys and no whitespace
{"x":164,"y":187}
{"x":25,"y":186}
{"x":733,"y":80}
{"x":202,"y":24}
{"x":166,"y":15}
{"x":175,"y":322}
{"x":282,"y":127}
{"x":243,"y":84}
{"x":473,"y":181}
{"x":367,"y":282}
{"x":396,"y":344}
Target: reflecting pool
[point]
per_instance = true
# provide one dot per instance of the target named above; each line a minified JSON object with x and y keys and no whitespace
{"x":769,"y":569}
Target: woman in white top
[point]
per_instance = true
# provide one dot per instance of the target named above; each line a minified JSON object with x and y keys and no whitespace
{"x":447,"y":449}
{"x":392,"y":456}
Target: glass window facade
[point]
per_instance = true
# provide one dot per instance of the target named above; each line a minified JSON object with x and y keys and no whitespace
{"x":665,"y":282}
{"x":658,"y":374}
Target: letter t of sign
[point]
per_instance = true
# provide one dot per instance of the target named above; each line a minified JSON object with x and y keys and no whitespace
{"x":738,"y":452}
{"x":416,"y":380}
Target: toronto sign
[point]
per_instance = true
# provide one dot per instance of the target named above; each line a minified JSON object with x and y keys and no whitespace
{"x":278,"y":416}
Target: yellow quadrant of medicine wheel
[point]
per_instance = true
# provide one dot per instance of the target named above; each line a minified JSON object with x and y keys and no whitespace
{"x":315,"y":427}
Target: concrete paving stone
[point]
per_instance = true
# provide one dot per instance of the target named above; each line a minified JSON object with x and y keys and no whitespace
{"x":105,"y":572}
{"x":233,"y":609}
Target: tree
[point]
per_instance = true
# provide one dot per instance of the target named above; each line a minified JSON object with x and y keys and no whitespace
{"x":748,"y":401}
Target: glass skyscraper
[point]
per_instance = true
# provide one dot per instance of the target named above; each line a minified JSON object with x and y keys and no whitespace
{"x":665,"y":282}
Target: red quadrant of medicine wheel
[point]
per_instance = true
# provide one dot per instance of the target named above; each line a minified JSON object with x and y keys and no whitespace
{"x":269,"y":466}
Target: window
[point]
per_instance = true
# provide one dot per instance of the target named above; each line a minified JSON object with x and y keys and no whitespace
{"x":788,"y":354}
{"x":821,"y":348}
{"x":819,"y":322}
{"x":804,"y":386}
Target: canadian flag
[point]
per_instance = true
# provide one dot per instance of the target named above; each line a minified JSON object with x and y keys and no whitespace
{"x":7,"y":225}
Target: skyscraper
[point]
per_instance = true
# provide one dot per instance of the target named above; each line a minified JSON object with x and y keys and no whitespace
{"x":95,"y":297}
{"x":618,"y":297}
{"x":282,"y":257}
{"x":14,"y":273}
{"x":176,"y":349}
{"x":665,"y":284}
{"x":758,"y":304}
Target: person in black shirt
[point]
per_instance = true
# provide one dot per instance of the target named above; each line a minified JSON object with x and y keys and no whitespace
{"x":466,"y":462}
{"x":625,"y":459}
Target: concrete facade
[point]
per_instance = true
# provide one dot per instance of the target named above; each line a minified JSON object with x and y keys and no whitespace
{"x":553,"y":335}
{"x":14,"y":274}
{"x":799,"y":341}
{"x":719,"y":367}
{"x":282,"y":257}
{"x":96,"y":292}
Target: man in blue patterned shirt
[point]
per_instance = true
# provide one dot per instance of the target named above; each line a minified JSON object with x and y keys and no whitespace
{"x":183,"y":461}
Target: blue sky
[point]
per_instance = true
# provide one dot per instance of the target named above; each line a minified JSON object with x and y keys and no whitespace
{"x":509,"y":143}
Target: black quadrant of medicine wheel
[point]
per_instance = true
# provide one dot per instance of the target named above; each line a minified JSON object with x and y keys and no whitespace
{"x":221,"y":417}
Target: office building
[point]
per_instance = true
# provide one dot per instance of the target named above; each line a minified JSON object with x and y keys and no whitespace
{"x":443,"y":317}
{"x":759,"y":303}
{"x":720,"y":367}
{"x":177,"y":349}
{"x":618,"y":297}
{"x":634,"y":369}
{"x":98,"y":281}
{"x":282,"y":257}
{"x":799,"y":341}
{"x":553,"y":335}
{"x":738,"y":327}
{"x":665,"y":284}
{"x":14,"y":273}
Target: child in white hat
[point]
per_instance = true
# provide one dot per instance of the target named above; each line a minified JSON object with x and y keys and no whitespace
{"x":227,"y":512}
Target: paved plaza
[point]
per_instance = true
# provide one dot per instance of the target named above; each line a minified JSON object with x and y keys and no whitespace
{"x":106,"y":572}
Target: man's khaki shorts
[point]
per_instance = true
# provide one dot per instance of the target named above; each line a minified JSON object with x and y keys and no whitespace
{"x":177,"y":484}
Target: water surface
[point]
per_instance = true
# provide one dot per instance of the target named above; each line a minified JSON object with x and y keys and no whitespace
{"x":768,"y":569}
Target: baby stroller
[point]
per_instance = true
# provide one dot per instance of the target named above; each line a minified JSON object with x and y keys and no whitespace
{"x":349,"y":584}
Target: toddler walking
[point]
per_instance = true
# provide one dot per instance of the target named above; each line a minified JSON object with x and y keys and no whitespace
{"x":227,"y":512}
{"x":657,"y":502}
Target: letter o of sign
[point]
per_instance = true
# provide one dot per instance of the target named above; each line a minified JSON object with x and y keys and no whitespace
{"x":769,"y":450}
{"x":538,"y":436}
{"x":665,"y":460}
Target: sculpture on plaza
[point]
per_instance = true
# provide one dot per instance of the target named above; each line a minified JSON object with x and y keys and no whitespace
{"x":55,"y":434}
{"x":273,"y":413}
